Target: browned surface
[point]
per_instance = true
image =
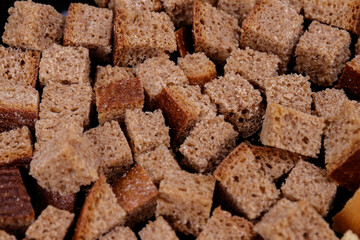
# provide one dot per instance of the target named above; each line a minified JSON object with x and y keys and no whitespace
{"x":181,"y":41}
{"x":350,"y":81}
{"x":14,"y":118}
{"x":45,"y":198}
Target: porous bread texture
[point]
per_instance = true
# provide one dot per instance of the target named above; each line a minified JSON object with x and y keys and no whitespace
{"x":350,"y":78}
{"x":273,"y":27}
{"x":19,"y":66}
{"x":65,"y":163}
{"x":208,"y":143}
{"x":238,"y":101}
{"x":342,"y":146}
{"x":140,"y":36}
{"x":349,"y":235}
{"x":5,"y":236}
{"x":16,"y":211}
{"x":293,"y":221}
{"x":136,"y":5}
{"x":183,"y":107}
{"x":33,"y":26}
{"x":292,"y":91}
{"x":157,"y":73}
{"x":222,"y":225}
{"x":157,"y":163}
{"x":90,"y":27}
{"x":119,"y":232}
{"x":275,"y":162}
{"x":185,"y":201}
{"x":158,"y":229}
{"x":102,"y":3}
{"x":291,"y":130}
{"x":65,"y":65}
{"x":18,"y":106}
{"x":15,"y":147}
{"x":59,"y":101}
{"x":328,"y":102}
{"x":181,"y":11}
{"x":52,"y":223}
{"x":146,"y":130}
{"x":252,"y":65}
{"x":109,"y":74}
{"x":198,"y":68}
{"x":115,"y":153}
{"x":99,"y":213}
{"x":215,"y":32}
{"x":339,"y":13}
{"x":297,"y":5}
{"x":136,"y":194}
{"x":241,"y":184}
{"x":310,"y":183}
{"x":322,"y":53}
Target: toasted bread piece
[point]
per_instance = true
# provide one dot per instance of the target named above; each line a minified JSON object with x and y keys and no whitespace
{"x":183,"y":37}
{"x":119,"y":232}
{"x":328,"y":102}
{"x":158,"y":229}
{"x":350,"y":78}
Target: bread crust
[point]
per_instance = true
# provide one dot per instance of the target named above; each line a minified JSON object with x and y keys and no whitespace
{"x":11,"y":118}
{"x":350,"y":80}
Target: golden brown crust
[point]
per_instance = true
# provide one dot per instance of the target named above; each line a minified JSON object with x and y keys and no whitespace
{"x":45,"y":198}
{"x":350,"y":81}
{"x":34,"y":67}
{"x":11,"y":118}
{"x":119,"y":41}
{"x":181,"y":41}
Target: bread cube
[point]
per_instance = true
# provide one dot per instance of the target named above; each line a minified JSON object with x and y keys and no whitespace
{"x":89,"y":27}
{"x":350,"y":78}
{"x":349,"y":235}
{"x":116,"y":89}
{"x":291,"y":220}
{"x":19,"y":66}
{"x":65,"y":163}
{"x":16,"y":147}
{"x":222,"y":225}
{"x":198,"y":68}
{"x":185,"y":201}
{"x":241,"y":184}
{"x":342,"y":147}
{"x":59,"y":101}
{"x":119,"y":232}
{"x":33,"y":26}
{"x":238,"y":101}
{"x":52,"y":223}
{"x":136,"y":5}
{"x":18,"y":107}
{"x":292,"y":91}
{"x":291,"y":130}
{"x":310,"y":183}
{"x":157,"y":163}
{"x":158,"y":72}
{"x":215,"y":32}
{"x":5,"y":236}
{"x":141,"y":36}
{"x":99,"y":213}
{"x":207,"y":144}
{"x":136,"y":194}
{"x":16,"y":211}
{"x":273,"y":27}
{"x":252,"y":65}
{"x":158,"y":229}
{"x":64,"y":65}
{"x":328,"y":102}
{"x":183,"y":107}
{"x":322,"y":53}
{"x":146,"y":130}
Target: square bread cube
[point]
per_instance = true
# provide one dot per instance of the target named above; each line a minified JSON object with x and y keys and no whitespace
{"x":222,"y":225}
{"x":146,"y":130}
{"x":158,"y":229}
{"x":238,"y":101}
{"x":239,"y":9}
{"x":291,"y":130}
{"x":140,"y":36}
{"x":252,"y":65}
{"x":290,"y":220}
{"x":52,"y":223}
{"x":328,"y":102}
{"x":273,"y":27}
{"x":185,"y":201}
{"x":18,"y":106}
{"x":33,"y":26}
{"x":292,"y":91}
{"x":215,"y":32}
{"x":119,"y":232}
{"x":136,"y":194}
{"x":350,"y":78}
{"x":59,"y":101}
{"x":64,"y":65}
{"x":157,"y":163}
{"x":242,"y":186}
{"x":115,"y":153}
{"x":65,"y":163}
{"x":208,"y":143}
{"x":322,"y":53}
{"x":16,"y":211}
{"x":19,"y":66}
{"x":16,"y":147}
{"x":136,"y":5}
{"x":310,"y":183}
